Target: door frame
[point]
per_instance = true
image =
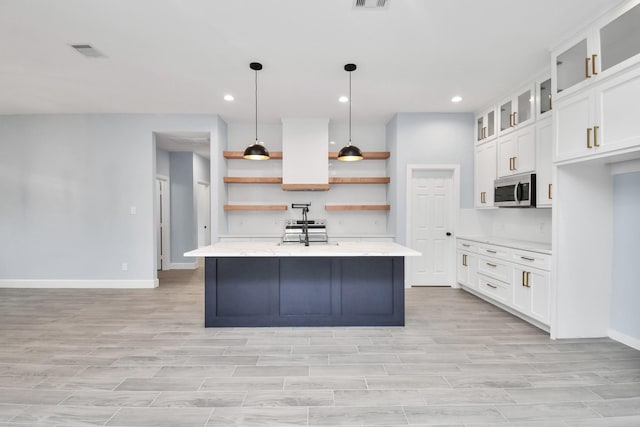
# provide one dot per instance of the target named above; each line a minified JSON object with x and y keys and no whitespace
{"x":454,"y":209}
{"x":208,"y":215}
{"x":166,"y":229}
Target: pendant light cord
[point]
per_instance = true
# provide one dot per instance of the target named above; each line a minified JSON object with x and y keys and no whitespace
{"x":349,"y":107}
{"x":256,"y":92}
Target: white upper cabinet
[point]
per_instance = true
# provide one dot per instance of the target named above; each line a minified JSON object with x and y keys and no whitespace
{"x":599,"y":121}
{"x":517,"y":152}
{"x":485,"y":174}
{"x":544,"y":98}
{"x":611,"y":45}
{"x":544,"y":168}
{"x":517,"y":111}
{"x":486,"y":126}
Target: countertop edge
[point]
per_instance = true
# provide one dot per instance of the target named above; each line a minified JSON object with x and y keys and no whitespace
{"x":523,"y":245}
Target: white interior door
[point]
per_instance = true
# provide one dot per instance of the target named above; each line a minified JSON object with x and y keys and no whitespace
{"x":431,"y":228}
{"x":162,"y":223}
{"x":204,"y":218}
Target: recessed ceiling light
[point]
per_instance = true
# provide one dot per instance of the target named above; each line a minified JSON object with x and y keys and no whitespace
{"x":343,"y":99}
{"x":228,"y":97}
{"x":456,"y":98}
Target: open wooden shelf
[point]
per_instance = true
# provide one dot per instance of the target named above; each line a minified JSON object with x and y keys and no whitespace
{"x":255,"y":207}
{"x":366,"y":155}
{"x":357,"y":207}
{"x":360,"y":180}
{"x":252,"y":180}
{"x":240,"y":154}
{"x":305,"y":187}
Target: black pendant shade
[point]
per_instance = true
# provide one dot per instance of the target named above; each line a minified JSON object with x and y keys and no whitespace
{"x":256,"y":151}
{"x":350,"y":153}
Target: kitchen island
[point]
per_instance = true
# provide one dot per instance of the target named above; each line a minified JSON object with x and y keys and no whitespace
{"x":271,"y":284}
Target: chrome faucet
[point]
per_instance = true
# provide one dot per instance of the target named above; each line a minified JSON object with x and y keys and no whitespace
{"x":305,"y":221}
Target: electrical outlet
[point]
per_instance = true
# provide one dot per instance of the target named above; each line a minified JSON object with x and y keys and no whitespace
{"x":125,"y":266}
{"x":132,"y":210}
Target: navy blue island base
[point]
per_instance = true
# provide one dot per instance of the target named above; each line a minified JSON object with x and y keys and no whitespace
{"x":304,"y":291}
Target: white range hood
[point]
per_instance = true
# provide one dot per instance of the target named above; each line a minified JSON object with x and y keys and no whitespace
{"x":305,"y":153}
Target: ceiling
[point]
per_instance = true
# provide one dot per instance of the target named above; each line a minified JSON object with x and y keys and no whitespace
{"x":182,"y":56}
{"x":195,"y":142}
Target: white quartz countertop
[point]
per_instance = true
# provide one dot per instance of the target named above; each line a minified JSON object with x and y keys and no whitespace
{"x":526,"y":245}
{"x":268,"y":249}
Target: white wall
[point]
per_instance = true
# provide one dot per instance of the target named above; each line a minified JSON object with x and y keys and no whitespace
{"x":67,"y":184}
{"x":162,"y":163}
{"x":183,"y":207}
{"x":340,"y":224}
{"x":625,"y":293}
{"x":428,"y":138}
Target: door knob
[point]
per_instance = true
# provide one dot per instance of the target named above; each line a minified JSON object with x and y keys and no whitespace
{"x":448,"y":233}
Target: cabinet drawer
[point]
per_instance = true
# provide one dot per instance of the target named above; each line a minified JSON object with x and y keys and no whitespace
{"x":466,"y":245}
{"x":494,"y":268}
{"x":532,"y":259}
{"x":499,"y":252}
{"x":495,"y":289}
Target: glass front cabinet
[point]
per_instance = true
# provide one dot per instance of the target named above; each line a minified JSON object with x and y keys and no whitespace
{"x":517,"y":111}
{"x":486,"y":125}
{"x":612,"y":45}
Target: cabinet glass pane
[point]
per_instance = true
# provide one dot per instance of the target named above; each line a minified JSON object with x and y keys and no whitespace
{"x":571,"y":66}
{"x":545,"y":96}
{"x":525,"y":101}
{"x":620,"y":38}
{"x":491,"y":123}
{"x":505,"y":116}
{"x":480,"y":126}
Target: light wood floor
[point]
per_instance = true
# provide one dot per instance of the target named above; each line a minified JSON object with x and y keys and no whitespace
{"x":143,"y":358}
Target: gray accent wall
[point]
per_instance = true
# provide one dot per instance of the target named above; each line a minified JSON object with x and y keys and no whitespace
{"x":162,"y":163}
{"x":183,"y":207}
{"x":67,"y":186}
{"x":431,"y":139}
{"x":625,"y":294}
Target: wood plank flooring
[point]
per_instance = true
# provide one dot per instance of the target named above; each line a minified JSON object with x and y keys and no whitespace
{"x":143,"y":358}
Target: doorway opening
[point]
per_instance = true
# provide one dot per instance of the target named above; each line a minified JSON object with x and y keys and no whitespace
{"x":433,"y":199}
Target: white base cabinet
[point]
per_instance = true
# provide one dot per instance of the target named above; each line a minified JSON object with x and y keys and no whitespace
{"x":517,"y":279}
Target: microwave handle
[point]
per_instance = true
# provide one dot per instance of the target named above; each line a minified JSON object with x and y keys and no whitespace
{"x":515,"y":193}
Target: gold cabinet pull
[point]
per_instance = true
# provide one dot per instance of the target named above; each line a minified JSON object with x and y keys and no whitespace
{"x":491,"y":286}
{"x":514,"y":118}
{"x":550,"y":102}
{"x":595,"y":136}
{"x":515,"y":168}
{"x":464,"y":260}
{"x":490,"y":251}
{"x":482,"y":197}
{"x":523,"y":278}
{"x":510,"y":120}
{"x":526,"y":258}
{"x":491,"y":264}
{"x":589,"y":138}
{"x":465,"y":245}
{"x":528,"y":276}
{"x":549,"y":191}
{"x":593,"y":64}
{"x":586,"y":67}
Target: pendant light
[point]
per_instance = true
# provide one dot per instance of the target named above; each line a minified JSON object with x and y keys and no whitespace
{"x":256,"y":151}
{"x":350,"y":153}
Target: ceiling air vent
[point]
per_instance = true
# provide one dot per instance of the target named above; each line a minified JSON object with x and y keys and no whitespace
{"x":370,"y":4}
{"x":87,"y":50}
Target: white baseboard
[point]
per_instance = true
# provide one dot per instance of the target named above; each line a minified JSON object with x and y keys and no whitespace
{"x":624,"y":339}
{"x":183,"y":265}
{"x":80,"y":284}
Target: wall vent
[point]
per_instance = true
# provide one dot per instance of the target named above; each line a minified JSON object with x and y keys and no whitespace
{"x":87,"y":50}
{"x":370,"y":4}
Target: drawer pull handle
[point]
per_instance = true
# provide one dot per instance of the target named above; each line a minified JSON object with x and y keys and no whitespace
{"x":524,"y":274}
{"x":595,"y":136}
{"x":465,"y":245}
{"x":527,"y":258}
{"x":491,"y":252}
{"x":491,"y":286}
{"x":549,"y":192}
{"x":491,"y":265}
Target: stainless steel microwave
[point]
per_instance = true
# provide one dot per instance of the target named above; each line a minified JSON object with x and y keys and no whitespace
{"x":516,"y":191}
